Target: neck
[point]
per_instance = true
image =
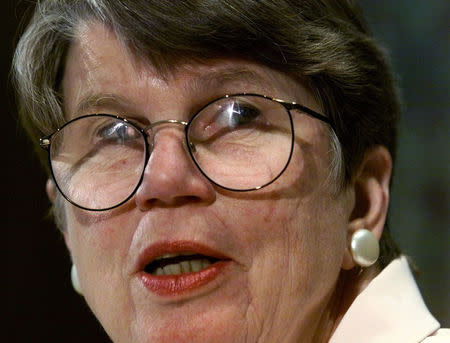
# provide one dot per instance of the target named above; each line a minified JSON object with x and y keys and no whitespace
{"x":349,"y":285}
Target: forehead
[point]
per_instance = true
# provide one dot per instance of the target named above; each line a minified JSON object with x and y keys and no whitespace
{"x":98,"y":63}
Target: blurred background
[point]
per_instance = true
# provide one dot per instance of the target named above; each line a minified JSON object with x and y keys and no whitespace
{"x":40,"y":303}
{"x":417,"y":34}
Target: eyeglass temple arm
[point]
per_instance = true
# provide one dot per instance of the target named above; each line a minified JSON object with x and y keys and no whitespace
{"x":308,"y":111}
{"x":295,"y":106}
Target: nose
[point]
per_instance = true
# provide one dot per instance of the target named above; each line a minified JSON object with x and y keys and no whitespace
{"x":170,"y":176}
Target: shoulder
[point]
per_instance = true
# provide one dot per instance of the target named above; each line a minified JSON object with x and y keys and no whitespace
{"x":440,"y":336}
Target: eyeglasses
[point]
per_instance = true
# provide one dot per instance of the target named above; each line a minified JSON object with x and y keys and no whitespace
{"x":240,"y":142}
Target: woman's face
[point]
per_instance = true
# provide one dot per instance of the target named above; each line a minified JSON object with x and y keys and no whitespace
{"x":280,"y":249}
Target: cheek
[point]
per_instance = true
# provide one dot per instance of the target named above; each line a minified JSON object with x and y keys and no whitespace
{"x":103,"y":234}
{"x":296,"y":267}
{"x":99,"y":245}
{"x":296,"y":215}
{"x":297,"y":241}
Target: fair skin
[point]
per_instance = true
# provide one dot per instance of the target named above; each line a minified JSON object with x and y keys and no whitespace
{"x":286,"y":244}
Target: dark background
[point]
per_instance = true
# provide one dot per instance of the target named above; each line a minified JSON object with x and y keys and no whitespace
{"x":40,"y":303}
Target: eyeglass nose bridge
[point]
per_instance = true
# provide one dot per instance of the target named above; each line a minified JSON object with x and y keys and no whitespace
{"x":169,"y":121}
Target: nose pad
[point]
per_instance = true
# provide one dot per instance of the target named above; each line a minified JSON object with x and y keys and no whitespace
{"x":192,"y":147}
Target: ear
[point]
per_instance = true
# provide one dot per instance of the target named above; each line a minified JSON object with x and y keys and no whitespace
{"x":50,"y":188}
{"x":371,"y":189}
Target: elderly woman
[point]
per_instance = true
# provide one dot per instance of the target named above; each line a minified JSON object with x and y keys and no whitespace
{"x":220,"y":170}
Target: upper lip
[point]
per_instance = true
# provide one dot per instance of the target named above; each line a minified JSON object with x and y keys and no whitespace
{"x":158,"y":249}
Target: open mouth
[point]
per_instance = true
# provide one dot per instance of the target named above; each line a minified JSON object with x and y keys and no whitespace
{"x":178,"y":269}
{"x":179,"y":263}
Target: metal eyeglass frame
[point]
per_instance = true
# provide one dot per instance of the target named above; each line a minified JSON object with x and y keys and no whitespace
{"x":45,"y":142}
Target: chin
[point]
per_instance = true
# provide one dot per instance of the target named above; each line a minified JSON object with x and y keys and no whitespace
{"x":189,"y":329}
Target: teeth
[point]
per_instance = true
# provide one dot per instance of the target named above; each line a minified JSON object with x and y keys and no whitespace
{"x":205,"y":263}
{"x":172,"y":269}
{"x":196,"y":265}
{"x":186,"y":267}
{"x":183,"y":267}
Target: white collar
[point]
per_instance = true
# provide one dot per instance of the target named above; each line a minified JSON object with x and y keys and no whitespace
{"x":389,"y":310}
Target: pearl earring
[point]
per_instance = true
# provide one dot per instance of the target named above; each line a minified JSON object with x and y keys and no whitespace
{"x":364,"y":247}
{"x":75,"y":280}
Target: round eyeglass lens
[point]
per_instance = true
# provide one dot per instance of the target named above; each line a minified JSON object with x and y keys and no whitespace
{"x":242,"y":143}
{"x":97,"y":161}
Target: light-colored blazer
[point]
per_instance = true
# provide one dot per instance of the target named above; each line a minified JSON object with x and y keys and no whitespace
{"x":390,"y":310}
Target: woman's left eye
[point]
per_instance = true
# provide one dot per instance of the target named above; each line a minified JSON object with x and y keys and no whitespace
{"x":241,"y":114}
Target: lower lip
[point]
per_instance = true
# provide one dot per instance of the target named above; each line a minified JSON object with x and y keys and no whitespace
{"x":172,"y":285}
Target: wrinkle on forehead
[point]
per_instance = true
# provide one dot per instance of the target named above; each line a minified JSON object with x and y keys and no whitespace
{"x":98,"y":58}
{"x":100,"y":65}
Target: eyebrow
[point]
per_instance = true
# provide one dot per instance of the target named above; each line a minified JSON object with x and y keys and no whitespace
{"x":102,"y":100}
{"x":215,"y":79}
